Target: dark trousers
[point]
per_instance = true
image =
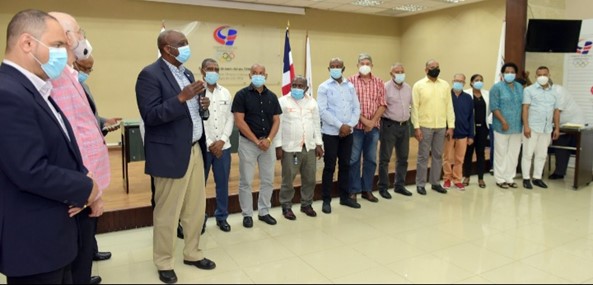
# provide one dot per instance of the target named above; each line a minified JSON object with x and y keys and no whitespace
{"x":563,"y":155}
{"x":95,"y":245}
{"x":393,"y":134}
{"x":340,"y":149}
{"x":82,"y":264}
{"x":59,"y":276}
{"x":221,"y":167}
{"x":479,"y":145}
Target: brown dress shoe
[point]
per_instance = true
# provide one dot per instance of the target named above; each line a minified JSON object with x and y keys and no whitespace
{"x":308,"y":210}
{"x":369,"y":196}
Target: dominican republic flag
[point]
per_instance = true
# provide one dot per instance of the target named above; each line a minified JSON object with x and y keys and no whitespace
{"x":585,"y":48}
{"x":288,"y":68}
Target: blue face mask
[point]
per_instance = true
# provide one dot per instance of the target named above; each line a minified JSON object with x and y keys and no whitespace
{"x":184,"y":54}
{"x":297,"y":93}
{"x":58,"y":58}
{"x":82,"y":77}
{"x":211,"y":77}
{"x":258,"y":80}
{"x":399,"y":78}
{"x":457,"y":86}
{"x":335,"y":73}
{"x":478,"y":85}
{"x":509,"y":77}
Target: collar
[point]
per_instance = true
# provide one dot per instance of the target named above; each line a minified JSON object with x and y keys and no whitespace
{"x":180,"y":69}
{"x":43,"y":86}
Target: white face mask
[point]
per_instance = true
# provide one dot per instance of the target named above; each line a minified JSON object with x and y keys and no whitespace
{"x":542,"y":80}
{"x":364,"y":69}
{"x":83,"y":50}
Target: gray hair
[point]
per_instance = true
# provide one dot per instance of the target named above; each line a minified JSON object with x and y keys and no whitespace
{"x":396,"y":65}
{"x":364,"y":56}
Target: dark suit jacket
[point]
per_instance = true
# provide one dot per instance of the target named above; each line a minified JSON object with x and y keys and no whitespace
{"x":41,"y":175}
{"x":89,"y":96}
{"x":167,"y":122}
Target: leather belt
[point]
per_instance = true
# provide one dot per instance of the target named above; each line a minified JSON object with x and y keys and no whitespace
{"x":395,"y":122}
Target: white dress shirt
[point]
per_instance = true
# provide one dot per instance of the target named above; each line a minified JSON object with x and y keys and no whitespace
{"x":300,"y":124}
{"x":219,"y":125}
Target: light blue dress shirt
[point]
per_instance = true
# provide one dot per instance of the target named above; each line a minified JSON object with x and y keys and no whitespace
{"x":510,"y":103}
{"x":542,"y":103}
{"x":338,"y":105}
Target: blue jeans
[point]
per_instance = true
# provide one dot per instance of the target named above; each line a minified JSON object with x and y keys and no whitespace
{"x":221,"y":167}
{"x":365,"y":145}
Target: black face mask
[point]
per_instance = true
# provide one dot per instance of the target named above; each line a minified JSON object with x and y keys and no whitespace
{"x":434,"y":73}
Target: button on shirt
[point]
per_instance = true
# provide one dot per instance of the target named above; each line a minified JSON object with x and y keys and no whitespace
{"x":192,"y":104}
{"x":432,"y":106}
{"x":509,"y":102}
{"x":259,"y":109}
{"x":299,"y":124}
{"x":219,"y":125}
{"x":371,"y":96}
{"x":399,"y":101}
{"x":338,"y":105}
{"x":542,"y":102}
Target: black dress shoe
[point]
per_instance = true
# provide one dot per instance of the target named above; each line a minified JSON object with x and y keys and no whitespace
{"x":326,"y":208}
{"x":350,"y":203}
{"x":385,"y":194}
{"x":168,"y":276}
{"x":421,"y":190}
{"x":288,"y":214}
{"x":402,"y":190}
{"x":369,"y":196}
{"x":539,"y":183}
{"x":101,"y":255}
{"x":95,"y":280}
{"x":555,"y":176}
{"x":268,"y":219}
{"x":247,"y":222}
{"x":527,"y":184}
{"x":308,"y":210}
{"x":205,"y":264}
{"x":439,"y":189}
{"x":223,"y":225}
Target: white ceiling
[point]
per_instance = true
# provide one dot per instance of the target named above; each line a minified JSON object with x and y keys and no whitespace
{"x":384,"y":7}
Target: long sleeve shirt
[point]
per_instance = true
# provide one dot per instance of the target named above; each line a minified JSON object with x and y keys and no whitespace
{"x":70,"y":97}
{"x":338,"y":105}
{"x":299,"y":124}
{"x":463,"y":106}
{"x":509,"y":103}
{"x":219,"y":125}
{"x":432,"y":107}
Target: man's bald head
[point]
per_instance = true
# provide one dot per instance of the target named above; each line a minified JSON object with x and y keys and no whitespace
{"x":30,"y":21}
{"x":70,"y":26}
{"x":257,"y":68}
{"x":169,"y":38}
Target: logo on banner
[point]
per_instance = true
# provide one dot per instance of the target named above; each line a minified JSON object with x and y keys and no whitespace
{"x":226,"y":36}
{"x":585,"y":48}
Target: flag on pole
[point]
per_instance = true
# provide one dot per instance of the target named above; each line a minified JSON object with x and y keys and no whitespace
{"x":309,"y":72}
{"x":288,"y":68}
{"x":500,"y":58}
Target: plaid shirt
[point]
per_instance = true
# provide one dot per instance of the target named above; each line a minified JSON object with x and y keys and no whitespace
{"x":70,"y":97}
{"x":371,"y":95}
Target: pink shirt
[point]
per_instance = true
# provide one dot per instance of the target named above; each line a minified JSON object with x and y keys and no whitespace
{"x":371,"y":95}
{"x":70,"y":97}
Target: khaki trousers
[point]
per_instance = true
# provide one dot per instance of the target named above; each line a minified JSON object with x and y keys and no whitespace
{"x":181,"y":199}
{"x":454,"y":155}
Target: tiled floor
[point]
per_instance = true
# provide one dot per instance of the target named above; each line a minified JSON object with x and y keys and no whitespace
{"x":477,"y":236}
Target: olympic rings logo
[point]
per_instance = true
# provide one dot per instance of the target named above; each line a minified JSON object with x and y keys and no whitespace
{"x":227,"y":56}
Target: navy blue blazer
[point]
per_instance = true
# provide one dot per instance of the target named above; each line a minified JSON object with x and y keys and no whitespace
{"x":41,"y":175}
{"x":167,"y":122}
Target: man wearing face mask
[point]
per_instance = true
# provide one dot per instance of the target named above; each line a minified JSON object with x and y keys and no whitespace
{"x":84,"y":68}
{"x":339,"y":111}
{"x":463,"y":135}
{"x":297,"y":143}
{"x":170,"y":101}
{"x":432,"y":112}
{"x":371,"y":95}
{"x":218,"y":128}
{"x":506,"y":99}
{"x":257,"y":116}
{"x":71,"y":98}
{"x":395,"y":132}
{"x":541,"y":116}
{"x":42,"y":176}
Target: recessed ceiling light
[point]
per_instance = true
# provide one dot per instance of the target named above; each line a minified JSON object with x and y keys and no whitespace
{"x":409,"y":8}
{"x":367,"y":3}
{"x":453,"y":1}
